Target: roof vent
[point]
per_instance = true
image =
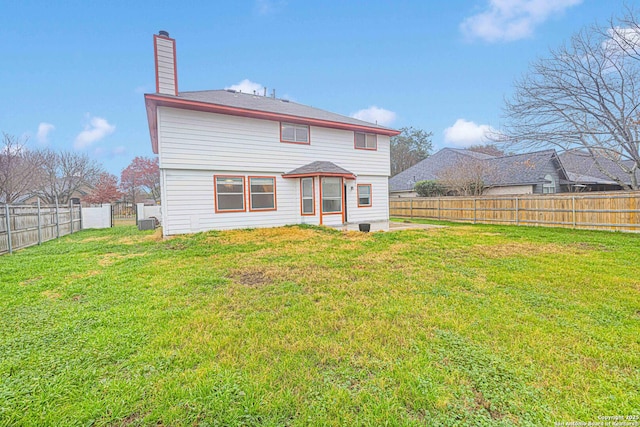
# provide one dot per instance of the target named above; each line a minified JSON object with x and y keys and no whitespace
{"x":231,"y":91}
{"x":163,"y":33}
{"x":284,"y":100}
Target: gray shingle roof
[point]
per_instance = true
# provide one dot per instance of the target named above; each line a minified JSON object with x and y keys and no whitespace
{"x":527,"y":168}
{"x":319,"y":168}
{"x":431,"y":167}
{"x":267,"y":104}
{"x":583,"y":169}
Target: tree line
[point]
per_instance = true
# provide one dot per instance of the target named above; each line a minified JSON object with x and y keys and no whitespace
{"x":58,"y":176}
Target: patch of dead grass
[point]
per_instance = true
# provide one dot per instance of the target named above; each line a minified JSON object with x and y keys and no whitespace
{"x":511,"y":249}
{"x":111,"y":258}
{"x":51,"y":294}
{"x":270,"y":235}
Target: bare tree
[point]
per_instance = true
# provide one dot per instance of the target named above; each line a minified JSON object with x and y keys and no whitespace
{"x":64,"y":173}
{"x":17,"y":166}
{"x":469,"y":176}
{"x":584,"y":96}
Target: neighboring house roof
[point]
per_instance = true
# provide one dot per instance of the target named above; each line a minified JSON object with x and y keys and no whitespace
{"x":319,"y":168}
{"x":521,"y":169}
{"x":582,"y":168}
{"x":255,"y":106}
{"x":517,"y":169}
{"x":429,"y":168}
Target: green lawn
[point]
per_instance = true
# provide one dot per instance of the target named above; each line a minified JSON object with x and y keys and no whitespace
{"x":465,"y":325}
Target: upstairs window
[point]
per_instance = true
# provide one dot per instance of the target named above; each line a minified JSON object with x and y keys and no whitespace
{"x":229,"y":193}
{"x":364,"y":195}
{"x":298,"y":134}
{"x":366,"y":141}
{"x":262,"y":193}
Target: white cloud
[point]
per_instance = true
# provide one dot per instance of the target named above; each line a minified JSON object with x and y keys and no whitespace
{"x":375,"y":114}
{"x":247,"y":86}
{"x":508,"y":20}
{"x":95,"y":130}
{"x":622,"y":39}
{"x":44,"y":129}
{"x":119,"y":150}
{"x":464,"y":133}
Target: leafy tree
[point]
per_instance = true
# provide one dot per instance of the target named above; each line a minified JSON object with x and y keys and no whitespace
{"x":142,"y":175}
{"x":585,"y":95}
{"x":411,"y":146}
{"x":429,"y":188}
{"x":106,"y":190}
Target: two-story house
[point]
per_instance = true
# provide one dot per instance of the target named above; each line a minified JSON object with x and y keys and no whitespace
{"x":234,"y":160}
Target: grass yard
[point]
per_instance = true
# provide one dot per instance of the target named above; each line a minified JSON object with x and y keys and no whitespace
{"x":465,"y":325}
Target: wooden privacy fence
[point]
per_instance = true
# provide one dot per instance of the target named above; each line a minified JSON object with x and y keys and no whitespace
{"x":601,"y":211}
{"x":27,"y":225}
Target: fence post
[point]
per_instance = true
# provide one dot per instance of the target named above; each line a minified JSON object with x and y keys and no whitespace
{"x":517,"y":212}
{"x":8,"y":221}
{"x":573,"y":210}
{"x":80,"y":213}
{"x":71,"y":216}
{"x":474,"y":209}
{"x":39,"y":224}
{"x":57,"y":220}
{"x":411,"y":208}
{"x":439,"y":200}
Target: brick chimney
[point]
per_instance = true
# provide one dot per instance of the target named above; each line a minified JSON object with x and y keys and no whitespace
{"x":166,"y":69}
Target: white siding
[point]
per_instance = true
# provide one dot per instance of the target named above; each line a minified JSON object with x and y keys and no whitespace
{"x":195,"y":146}
{"x":166,"y":66}
{"x":190,"y":204}
{"x":379,"y":209}
{"x":208,"y":141}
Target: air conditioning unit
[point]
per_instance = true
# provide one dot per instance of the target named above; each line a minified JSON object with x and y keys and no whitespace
{"x":146,"y":224}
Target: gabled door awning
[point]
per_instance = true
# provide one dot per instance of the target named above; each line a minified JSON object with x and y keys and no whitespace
{"x":319,"y":168}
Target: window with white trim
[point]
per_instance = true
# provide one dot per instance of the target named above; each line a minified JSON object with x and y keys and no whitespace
{"x":331,"y":195}
{"x":262,"y":193}
{"x":306,"y":192}
{"x":229,"y":193}
{"x":364,"y":195}
{"x":290,"y":132}
{"x":366,"y":141}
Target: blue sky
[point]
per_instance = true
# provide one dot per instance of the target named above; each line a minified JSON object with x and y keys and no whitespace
{"x":73,"y":73}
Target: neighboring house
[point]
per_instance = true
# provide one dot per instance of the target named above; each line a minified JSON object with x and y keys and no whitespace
{"x":233,"y":160}
{"x":76,"y":197}
{"x":586,"y":176}
{"x":431,"y":169}
{"x":540,"y":172}
{"x":530,"y":173}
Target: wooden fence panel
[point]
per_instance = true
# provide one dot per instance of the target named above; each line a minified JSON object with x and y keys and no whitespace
{"x":602,"y":211}
{"x":32,"y":224}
